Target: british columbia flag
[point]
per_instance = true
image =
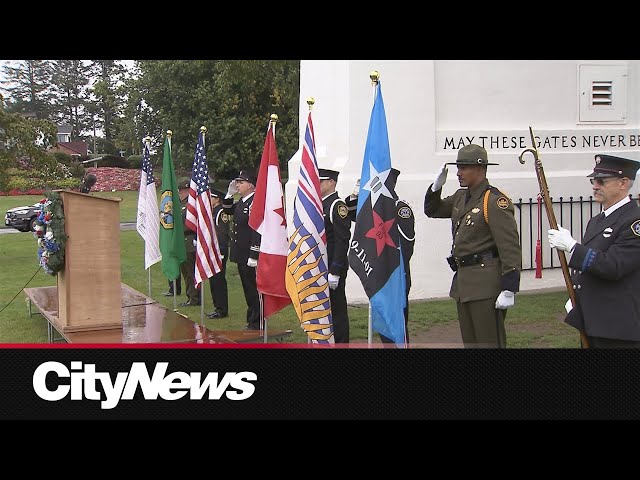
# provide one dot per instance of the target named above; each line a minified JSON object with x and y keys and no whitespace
{"x":307,"y":273}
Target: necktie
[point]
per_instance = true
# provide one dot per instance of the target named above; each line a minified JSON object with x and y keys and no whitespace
{"x":467,"y":196}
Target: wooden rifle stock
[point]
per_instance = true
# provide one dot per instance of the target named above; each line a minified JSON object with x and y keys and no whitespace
{"x":544,"y":192}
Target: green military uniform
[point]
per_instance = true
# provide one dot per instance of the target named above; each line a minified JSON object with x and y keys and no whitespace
{"x":188,"y":268}
{"x":486,"y":254}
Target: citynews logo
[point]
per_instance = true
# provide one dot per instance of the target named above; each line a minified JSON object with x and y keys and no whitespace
{"x":83,"y":380}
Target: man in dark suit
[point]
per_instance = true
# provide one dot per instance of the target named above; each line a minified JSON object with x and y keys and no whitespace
{"x":405,"y":222}
{"x":606,"y":265}
{"x":218,"y":283}
{"x":337,"y":225}
{"x":486,"y":255}
{"x":245,"y":243}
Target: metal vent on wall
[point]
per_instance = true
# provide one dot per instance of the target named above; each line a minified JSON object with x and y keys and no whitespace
{"x":601,"y":93}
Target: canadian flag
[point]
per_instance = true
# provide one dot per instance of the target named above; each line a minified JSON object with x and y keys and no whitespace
{"x":268,"y":218}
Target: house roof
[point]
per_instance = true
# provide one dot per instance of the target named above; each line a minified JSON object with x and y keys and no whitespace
{"x":64,"y":128}
{"x":73,"y":148}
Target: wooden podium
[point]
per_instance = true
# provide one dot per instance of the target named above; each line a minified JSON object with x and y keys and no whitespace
{"x":89,"y":296}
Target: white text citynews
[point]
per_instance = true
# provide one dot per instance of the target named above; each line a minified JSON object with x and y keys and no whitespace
{"x":83,"y":380}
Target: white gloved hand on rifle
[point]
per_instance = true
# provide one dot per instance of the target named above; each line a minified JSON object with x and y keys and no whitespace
{"x":505,"y":300}
{"x":561,"y":239}
{"x":440,"y":179}
{"x":252,"y":262}
{"x":232,"y":190}
{"x":333,"y":281}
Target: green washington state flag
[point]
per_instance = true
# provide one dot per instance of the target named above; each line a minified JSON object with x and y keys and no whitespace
{"x":171,"y":226}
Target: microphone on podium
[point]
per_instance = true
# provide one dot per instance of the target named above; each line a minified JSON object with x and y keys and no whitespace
{"x":88,"y":182}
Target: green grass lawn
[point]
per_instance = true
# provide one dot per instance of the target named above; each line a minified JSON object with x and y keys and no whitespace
{"x":535,"y":320}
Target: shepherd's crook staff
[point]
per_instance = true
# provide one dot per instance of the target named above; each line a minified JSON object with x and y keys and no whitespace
{"x":147,"y":142}
{"x":544,"y":193}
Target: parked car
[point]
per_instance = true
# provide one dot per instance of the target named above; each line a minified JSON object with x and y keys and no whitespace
{"x":23,"y":218}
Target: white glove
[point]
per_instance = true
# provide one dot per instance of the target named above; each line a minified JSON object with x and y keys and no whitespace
{"x":440,"y":179}
{"x":561,"y":239}
{"x":195,"y":242}
{"x":252,"y":262}
{"x":568,"y":306}
{"x":232,"y":190}
{"x":356,"y":189}
{"x":333,"y":281}
{"x":505,"y":300}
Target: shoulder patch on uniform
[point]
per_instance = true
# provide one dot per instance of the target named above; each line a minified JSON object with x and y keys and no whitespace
{"x":224,"y":217}
{"x":503,"y":203}
{"x":404,"y":212}
{"x":343,"y":211}
{"x":635,"y":228}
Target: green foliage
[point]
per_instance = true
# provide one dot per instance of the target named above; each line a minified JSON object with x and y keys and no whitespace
{"x":23,"y":137}
{"x":135,"y":161}
{"x":77,"y":169}
{"x":114,"y":161}
{"x":61,"y":157}
{"x":234,"y":99}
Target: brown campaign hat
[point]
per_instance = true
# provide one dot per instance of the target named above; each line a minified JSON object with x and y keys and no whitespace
{"x":472,"y":155}
{"x":610,"y":166}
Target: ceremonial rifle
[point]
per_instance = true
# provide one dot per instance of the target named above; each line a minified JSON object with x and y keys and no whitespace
{"x":544,"y":192}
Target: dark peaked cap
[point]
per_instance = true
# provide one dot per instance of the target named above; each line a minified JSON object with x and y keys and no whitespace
{"x":247,"y":175}
{"x":472,"y":155}
{"x":610,"y":166}
{"x":217,"y":193}
{"x":326,"y":174}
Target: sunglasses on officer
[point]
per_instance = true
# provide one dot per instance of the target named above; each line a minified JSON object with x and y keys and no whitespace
{"x":601,"y":181}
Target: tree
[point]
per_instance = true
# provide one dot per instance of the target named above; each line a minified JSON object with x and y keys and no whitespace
{"x":108,"y":98}
{"x":20,"y":138}
{"x":232,"y":98}
{"x":29,"y":87}
{"x":70,"y":79}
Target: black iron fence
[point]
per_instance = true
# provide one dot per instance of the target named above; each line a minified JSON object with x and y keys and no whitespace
{"x":531,"y":216}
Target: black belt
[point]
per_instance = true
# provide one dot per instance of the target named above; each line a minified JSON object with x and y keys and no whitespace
{"x":476,"y":258}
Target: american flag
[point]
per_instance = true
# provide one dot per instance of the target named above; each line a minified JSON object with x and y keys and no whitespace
{"x":307,"y":270}
{"x":148,"y":219}
{"x":199,"y":218}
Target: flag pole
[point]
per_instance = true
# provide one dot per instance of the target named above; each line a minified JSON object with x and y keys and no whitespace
{"x":310,"y":102}
{"x":375,"y":77}
{"x":273,"y":120}
{"x":175,"y":298}
{"x":203,"y":129}
{"x":147,"y":142}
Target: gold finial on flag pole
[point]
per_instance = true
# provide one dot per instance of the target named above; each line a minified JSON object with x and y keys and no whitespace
{"x":147,"y":141}
{"x":274,"y":118}
{"x":203,"y":129}
{"x":169,"y":133}
{"x":310,"y":102}
{"x":375,"y":77}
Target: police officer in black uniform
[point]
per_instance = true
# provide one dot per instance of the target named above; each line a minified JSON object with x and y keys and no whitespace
{"x":245,"y":242}
{"x":218,"y":283}
{"x":337,"y":224}
{"x":606,"y":265}
{"x":405,"y":221}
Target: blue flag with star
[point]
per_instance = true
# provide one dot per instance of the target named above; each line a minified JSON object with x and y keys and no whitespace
{"x":375,"y":253}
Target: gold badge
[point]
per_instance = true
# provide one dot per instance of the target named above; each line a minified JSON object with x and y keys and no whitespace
{"x":502,"y":203}
{"x":475,"y":210}
{"x":224,"y":217}
{"x":635,"y":228}
{"x":343,"y":211}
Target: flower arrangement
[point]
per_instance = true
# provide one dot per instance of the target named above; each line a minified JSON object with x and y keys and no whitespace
{"x":49,"y":231}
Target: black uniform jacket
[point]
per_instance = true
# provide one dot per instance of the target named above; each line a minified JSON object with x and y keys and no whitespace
{"x":245,"y":241}
{"x":606,"y":276}
{"x":337,"y":224}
